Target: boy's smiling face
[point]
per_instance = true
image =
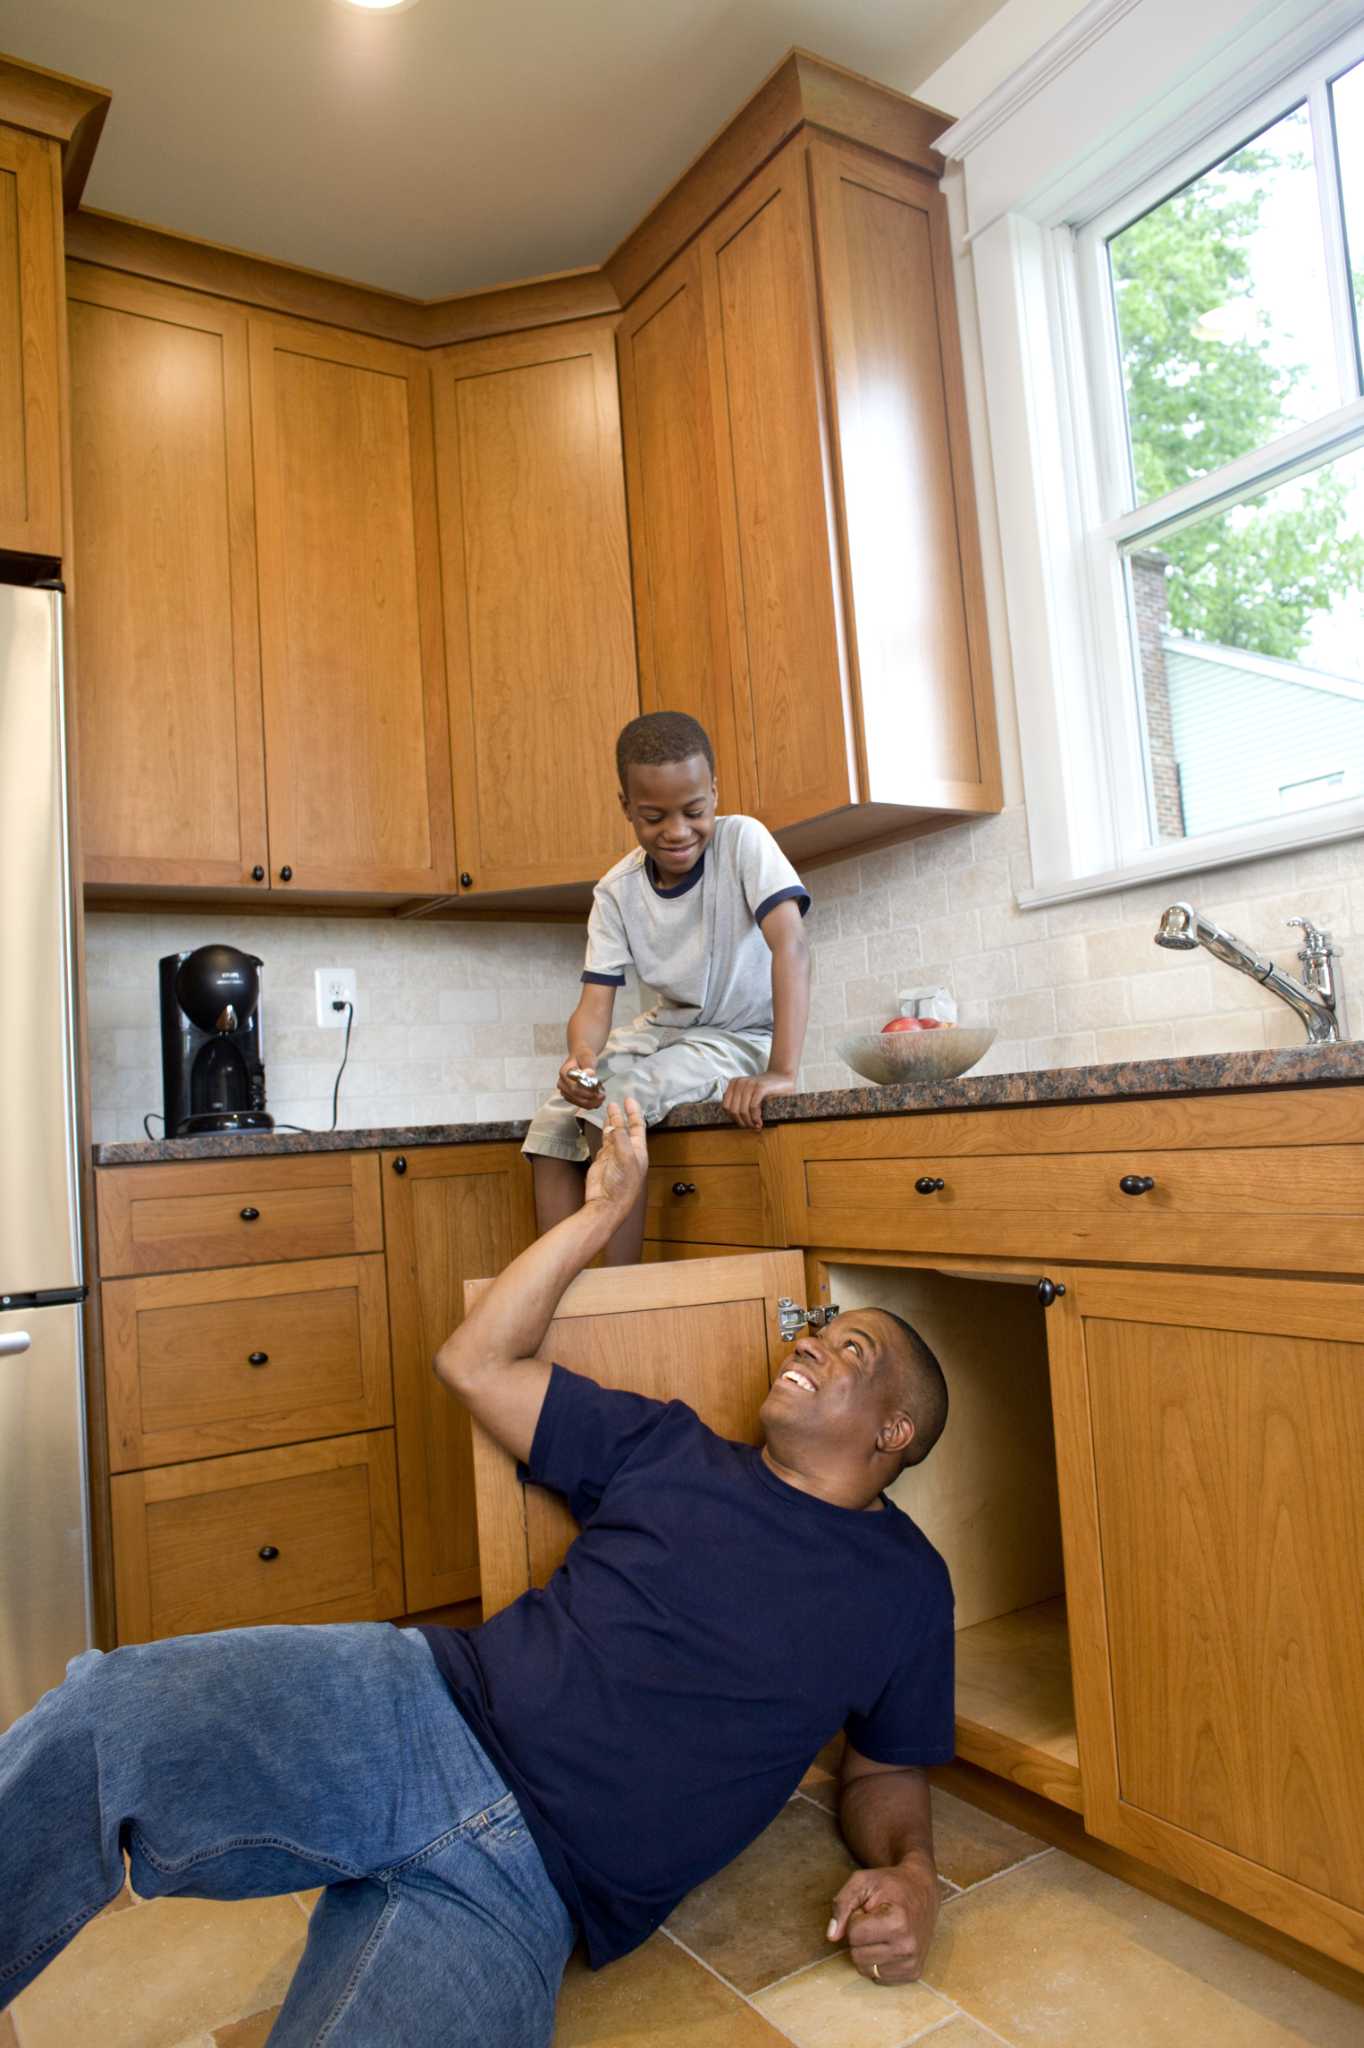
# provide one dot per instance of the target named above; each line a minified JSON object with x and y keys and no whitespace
{"x":671,"y":806}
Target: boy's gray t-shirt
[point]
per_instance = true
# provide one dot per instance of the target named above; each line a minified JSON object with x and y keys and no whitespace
{"x":698,"y":944}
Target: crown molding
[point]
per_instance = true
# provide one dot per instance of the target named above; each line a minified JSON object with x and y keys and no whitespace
{"x":65,"y":110}
{"x":1056,"y":56}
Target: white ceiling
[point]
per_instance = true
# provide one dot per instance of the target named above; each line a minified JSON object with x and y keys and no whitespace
{"x":452,"y":143}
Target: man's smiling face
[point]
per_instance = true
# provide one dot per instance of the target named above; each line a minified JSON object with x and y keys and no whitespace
{"x":839,"y":1390}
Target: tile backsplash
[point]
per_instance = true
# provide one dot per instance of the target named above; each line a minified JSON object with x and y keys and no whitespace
{"x":459,"y":1022}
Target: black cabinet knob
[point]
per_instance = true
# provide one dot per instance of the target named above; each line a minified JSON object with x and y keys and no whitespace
{"x":684,"y":1187}
{"x":267,"y":1553}
{"x":286,"y":874}
{"x":927,"y":1184}
{"x":1136,"y":1183}
{"x":1049,"y":1291}
{"x":466,"y":880}
{"x":258,"y":873}
{"x":258,"y":1358}
{"x":400,"y":1164}
{"x":250,"y":1215}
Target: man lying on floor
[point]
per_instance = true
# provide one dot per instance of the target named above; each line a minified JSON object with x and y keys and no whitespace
{"x":475,"y":1801}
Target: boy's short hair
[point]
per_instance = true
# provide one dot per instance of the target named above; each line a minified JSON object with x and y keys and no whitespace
{"x":658,"y":739}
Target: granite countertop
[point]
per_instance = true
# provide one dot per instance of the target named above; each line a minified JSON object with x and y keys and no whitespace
{"x":1207,"y":1073}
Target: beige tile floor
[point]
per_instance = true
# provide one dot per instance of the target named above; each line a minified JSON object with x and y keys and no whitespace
{"x":1033,"y":1947}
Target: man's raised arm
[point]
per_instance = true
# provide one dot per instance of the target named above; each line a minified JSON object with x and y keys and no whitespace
{"x":487,"y":1361}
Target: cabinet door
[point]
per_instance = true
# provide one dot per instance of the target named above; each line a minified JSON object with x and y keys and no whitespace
{"x":30,"y":345}
{"x":535,"y":562}
{"x":356,"y":744}
{"x":1210,"y":1441}
{"x":172,"y":766}
{"x":916,"y":626}
{"x":705,"y":1331}
{"x":767,"y":389}
{"x":677,"y":529}
{"x":453,"y":1213}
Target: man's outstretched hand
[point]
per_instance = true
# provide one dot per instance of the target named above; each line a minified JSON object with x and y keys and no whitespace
{"x":617,"y":1173}
{"x":889,"y":1917}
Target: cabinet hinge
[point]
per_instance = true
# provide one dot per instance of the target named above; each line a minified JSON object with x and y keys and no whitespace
{"x":792,"y":1318}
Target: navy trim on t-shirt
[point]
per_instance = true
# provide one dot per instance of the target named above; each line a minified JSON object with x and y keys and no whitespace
{"x":688,"y":881}
{"x":604,"y":980}
{"x":783,"y":896}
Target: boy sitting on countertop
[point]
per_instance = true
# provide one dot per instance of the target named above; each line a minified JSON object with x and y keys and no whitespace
{"x":708,"y":913}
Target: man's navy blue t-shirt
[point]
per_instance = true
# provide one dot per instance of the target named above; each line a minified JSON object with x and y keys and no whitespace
{"x":656,"y":1704}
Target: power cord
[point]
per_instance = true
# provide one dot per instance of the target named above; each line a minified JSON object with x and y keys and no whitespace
{"x":341,"y":1003}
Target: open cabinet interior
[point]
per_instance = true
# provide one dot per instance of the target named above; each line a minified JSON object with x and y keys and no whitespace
{"x":987,"y":1498}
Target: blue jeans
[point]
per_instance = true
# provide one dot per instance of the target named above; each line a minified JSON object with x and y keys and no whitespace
{"x":266,"y":1760}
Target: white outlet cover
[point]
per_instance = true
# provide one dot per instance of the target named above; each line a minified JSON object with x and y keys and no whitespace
{"x":334,"y":984}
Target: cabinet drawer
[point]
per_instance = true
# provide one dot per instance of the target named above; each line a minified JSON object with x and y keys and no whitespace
{"x":197,"y":1364}
{"x":188,"y":1540}
{"x":706,"y":1204}
{"x":237,"y":1212}
{"x":1293,"y":1207}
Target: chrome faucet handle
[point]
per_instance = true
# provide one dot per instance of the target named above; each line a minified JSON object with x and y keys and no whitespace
{"x":1313,"y":940}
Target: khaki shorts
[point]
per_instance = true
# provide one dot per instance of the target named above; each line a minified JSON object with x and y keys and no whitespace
{"x":661,"y":1068}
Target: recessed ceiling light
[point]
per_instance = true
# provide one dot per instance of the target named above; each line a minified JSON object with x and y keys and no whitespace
{"x":380,"y":6}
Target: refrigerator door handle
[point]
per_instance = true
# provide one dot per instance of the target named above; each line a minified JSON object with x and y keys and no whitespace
{"x":14,"y":1343}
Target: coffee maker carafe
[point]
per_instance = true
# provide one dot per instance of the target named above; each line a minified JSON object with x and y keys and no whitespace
{"x":213,"y":1074}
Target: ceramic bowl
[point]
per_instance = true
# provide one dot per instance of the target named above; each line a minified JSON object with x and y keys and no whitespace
{"x":900,"y":1057}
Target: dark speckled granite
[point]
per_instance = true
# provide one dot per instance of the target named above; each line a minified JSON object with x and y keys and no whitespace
{"x":1209,"y":1073}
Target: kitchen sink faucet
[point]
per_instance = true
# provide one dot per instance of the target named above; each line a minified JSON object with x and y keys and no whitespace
{"x":1317,"y":998}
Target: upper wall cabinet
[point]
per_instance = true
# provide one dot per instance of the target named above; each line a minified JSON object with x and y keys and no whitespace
{"x":353,"y":670}
{"x":535,"y":572}
{"x":811,"y":332}
{"x":168,"y":676}
{"x":30,"y":344}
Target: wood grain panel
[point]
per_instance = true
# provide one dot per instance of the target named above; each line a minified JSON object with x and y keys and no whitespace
{"x":30,"y":345}
{"x":757,"y":265}
{"x":352,"y":660}
{"x":916,"y":618}
{"x":686,"y":661}
{"x":537,"y":597}
{"x":161,"y":1219}
{"x":168,"y":634}
{"x":187,"y":1539}
{"x":1296,"y":1208}
{"x":700,"y":1330}
{"x":203,"y":1363}
{"x":723,"y":1205}
{"x":457,"y":1213}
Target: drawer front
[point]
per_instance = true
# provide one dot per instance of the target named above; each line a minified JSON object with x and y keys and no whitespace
{"x":197,"y":1364}
{"x":306,"y":1534}
{"x":1293,"y":1207}
{"x":168,"y":1219}
{"x":706,"y":1204}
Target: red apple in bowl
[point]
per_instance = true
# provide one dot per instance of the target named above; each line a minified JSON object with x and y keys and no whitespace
{"x":913,"y":1024}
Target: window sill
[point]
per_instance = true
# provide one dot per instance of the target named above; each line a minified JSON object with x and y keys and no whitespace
{"x":1204,"y":855}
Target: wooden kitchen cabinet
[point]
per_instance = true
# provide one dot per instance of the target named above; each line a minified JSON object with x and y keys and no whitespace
{"x":1210,"y":1434}
{"x":352,"y":660}
{"x":172,"y":761}
{"x":451,"y":1213}
{"x":813,"y":326}
{"x":31,"y":344}
{"x":535,"y":573}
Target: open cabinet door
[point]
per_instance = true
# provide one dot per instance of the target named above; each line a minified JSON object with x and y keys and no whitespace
{"x":704,"y":1331}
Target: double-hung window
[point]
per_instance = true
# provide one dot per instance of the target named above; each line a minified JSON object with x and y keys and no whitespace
{"x":1200,"y":385}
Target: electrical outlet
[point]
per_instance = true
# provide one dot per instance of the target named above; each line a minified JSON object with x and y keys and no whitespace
{"x":334,"y":985}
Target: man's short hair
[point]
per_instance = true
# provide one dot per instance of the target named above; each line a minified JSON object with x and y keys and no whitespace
{"x":660,"y":738}
{"x":925,"y":1391}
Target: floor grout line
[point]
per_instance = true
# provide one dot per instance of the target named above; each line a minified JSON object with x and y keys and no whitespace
{"x":752,"y":2005}
{"x":968,"y":1891}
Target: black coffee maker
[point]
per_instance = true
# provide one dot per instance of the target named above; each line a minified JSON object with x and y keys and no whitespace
{"x":213,"y":1075}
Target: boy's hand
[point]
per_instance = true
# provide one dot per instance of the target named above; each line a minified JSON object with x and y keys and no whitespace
{"x":744,"y":1097}
{"x":617,"y":1173}
{"x":574,"y":1091}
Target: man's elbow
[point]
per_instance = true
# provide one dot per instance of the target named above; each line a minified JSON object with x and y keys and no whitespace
{"x":454,"y":1365}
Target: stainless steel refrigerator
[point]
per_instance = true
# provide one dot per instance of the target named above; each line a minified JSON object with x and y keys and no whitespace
{"x":44,"y":1544}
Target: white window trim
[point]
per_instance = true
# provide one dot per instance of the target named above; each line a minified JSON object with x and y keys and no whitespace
{"x":1079,"y":712}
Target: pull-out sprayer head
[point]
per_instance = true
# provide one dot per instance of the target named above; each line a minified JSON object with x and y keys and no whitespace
{"x":1177,"y":929}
